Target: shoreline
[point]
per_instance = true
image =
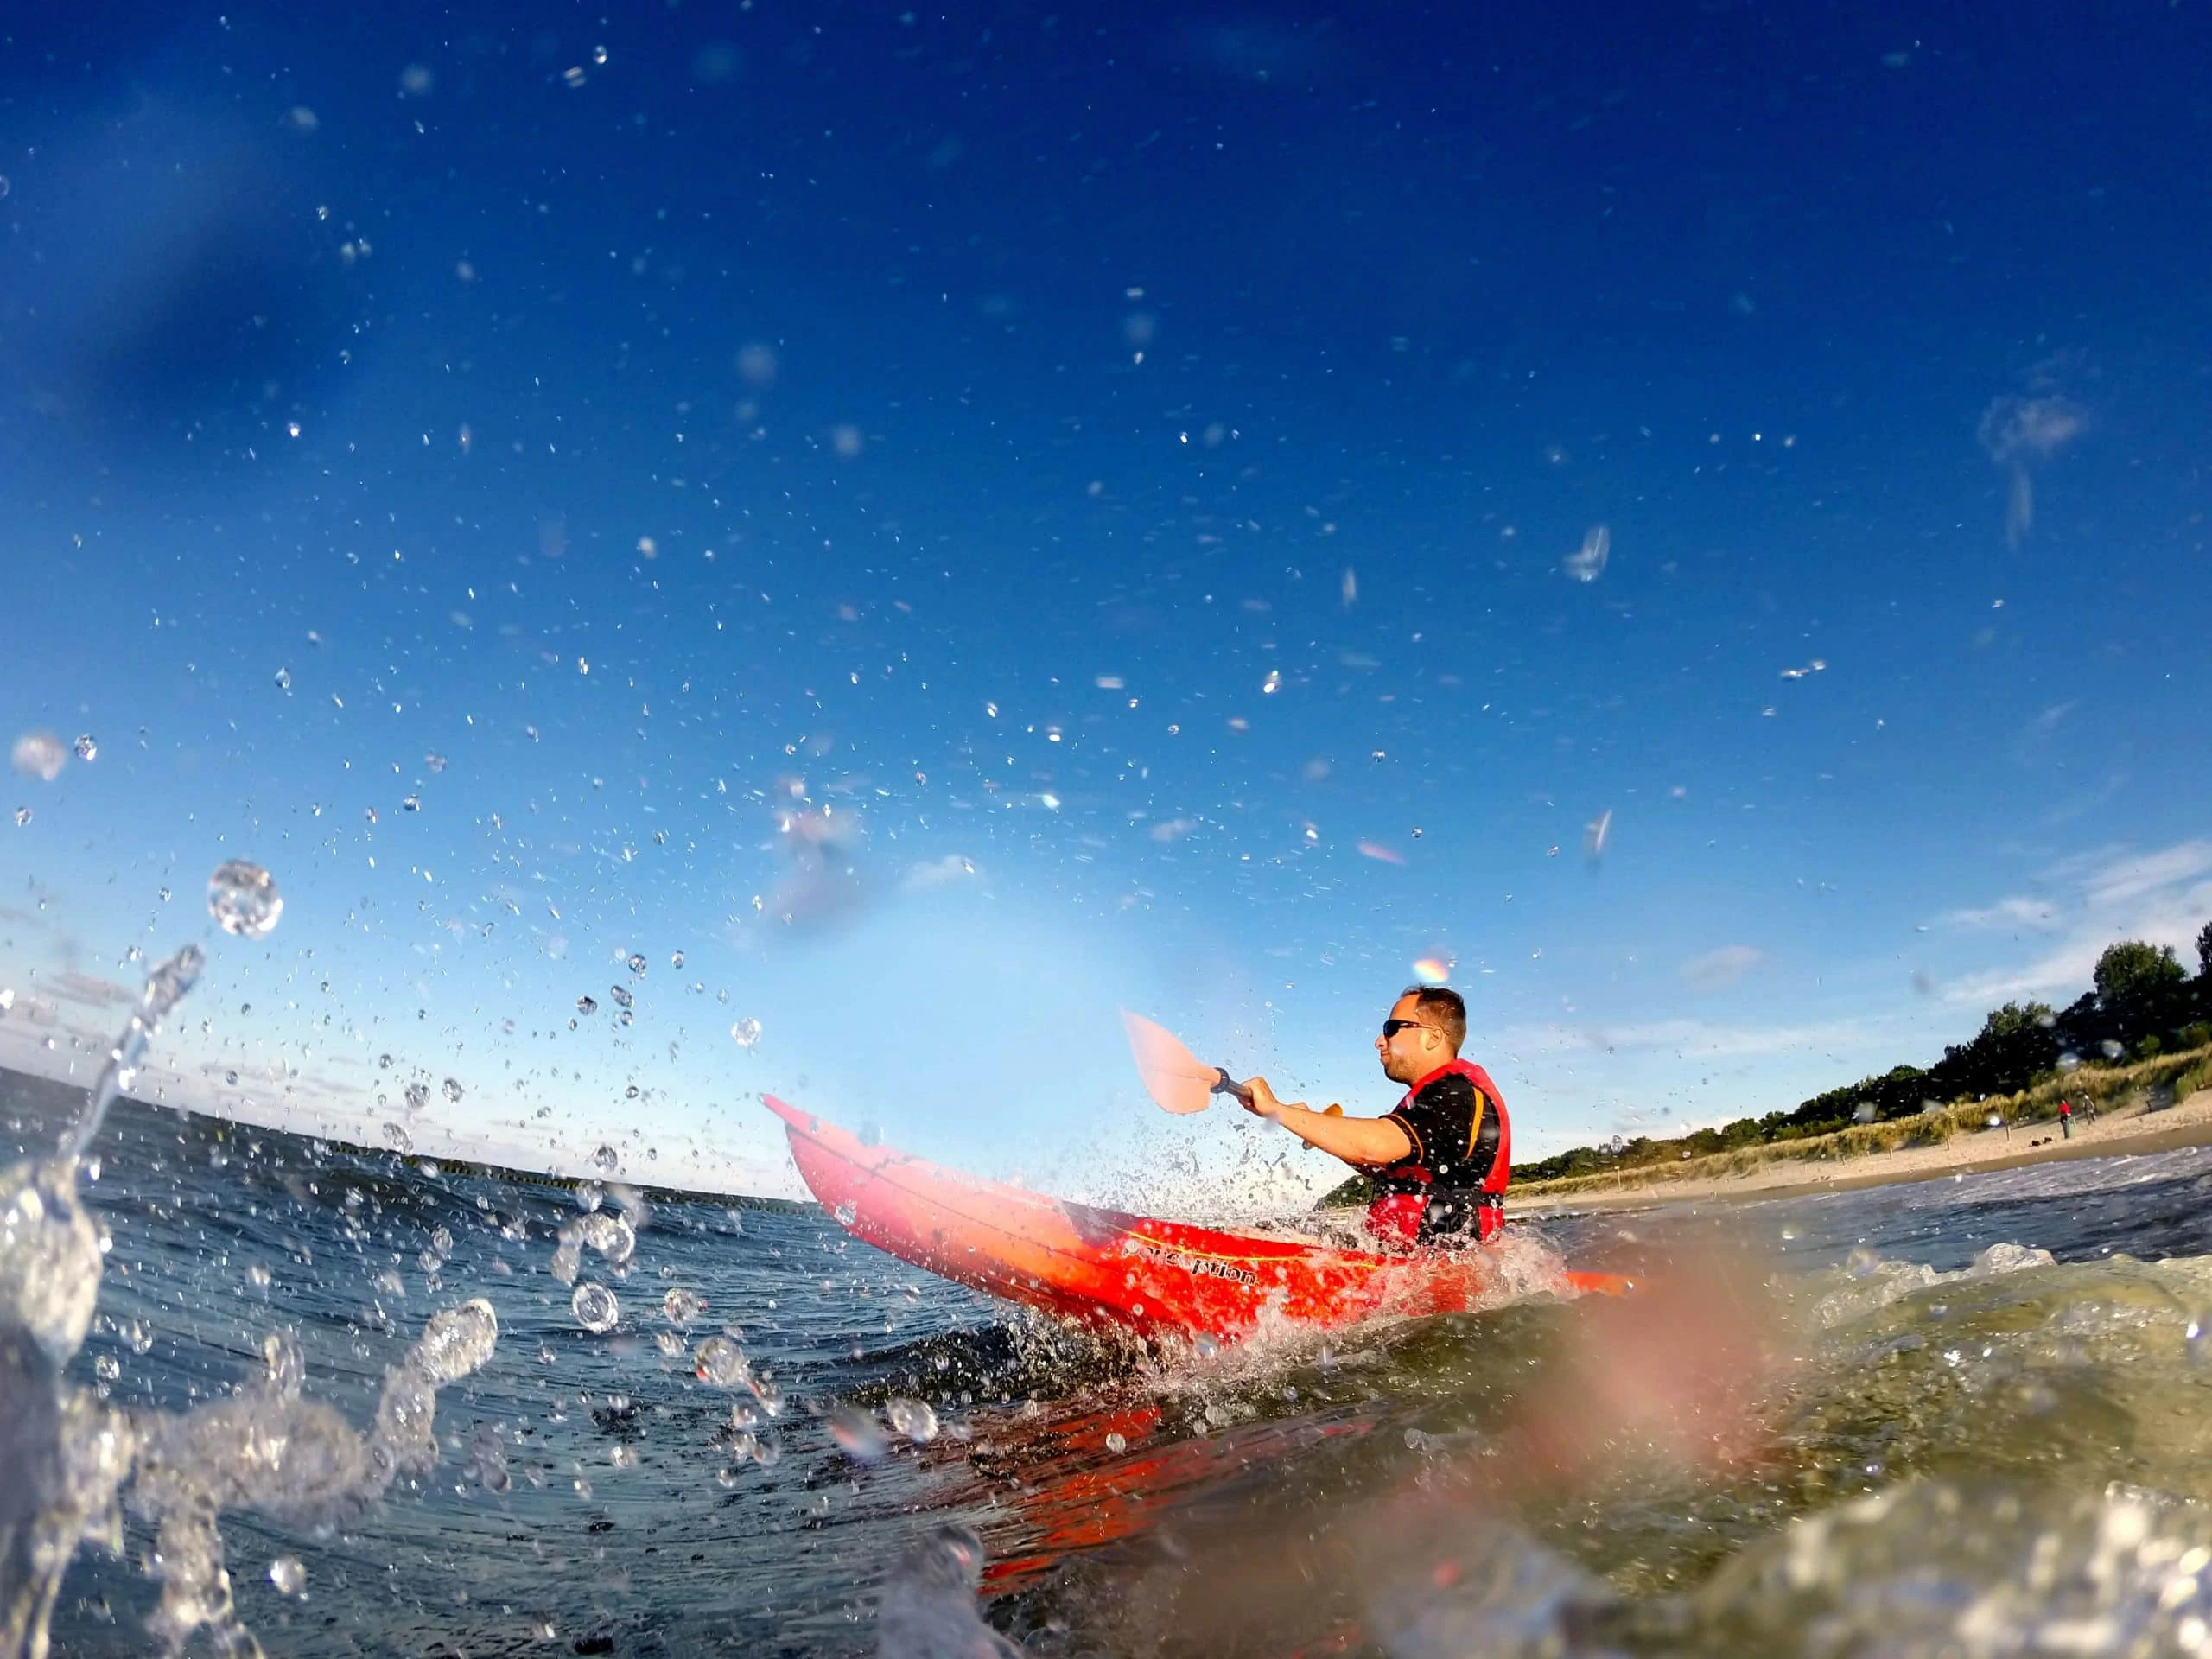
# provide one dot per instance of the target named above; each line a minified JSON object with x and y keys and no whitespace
{"x":2186,"y":1123}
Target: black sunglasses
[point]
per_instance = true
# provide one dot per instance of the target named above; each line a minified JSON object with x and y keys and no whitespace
{"x":1392,"y":1027}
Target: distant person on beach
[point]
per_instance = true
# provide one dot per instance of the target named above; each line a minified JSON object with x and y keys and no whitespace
{"x":2066,"y":1117}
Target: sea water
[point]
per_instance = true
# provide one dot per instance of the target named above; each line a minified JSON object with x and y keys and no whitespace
{"x":1964,"y":1415}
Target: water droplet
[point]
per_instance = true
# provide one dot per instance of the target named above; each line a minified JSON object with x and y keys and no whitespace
{"x":586,"y":1005}
{"x":459,"y":1340}
{"x":682,"y":1307}
{"x":845,"y":1213}
{"x":88,"y":749}
{"x":720,"y":1362}
{"x":637,"y":962}
{"x":452,"y":1088}
{"x":856,"y":1433}
{"x":412,"y":803}
{"x":746,"y":1033}
{"x":606,"y":1159}
{"x":611,"y":1233}
{"x":287,"y":1575}
{"x":1588,"y":563}
{"x":622,"y":998}
{"x":419,"y":1096}
{"x":283,"y":679}
{"x":675,"y":959}
{"x":912,"y":1418}
{"x":1117,"y":1443}
{"x":22,"y":816}
{"x":594,"y":1306}
{"x":41,"y":755}
{"x":398,"y":1138}
{"x":434,"y":762}
{"x":244,"y":899}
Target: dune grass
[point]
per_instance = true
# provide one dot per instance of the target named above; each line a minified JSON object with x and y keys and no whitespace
{"x":2112,"y":1088}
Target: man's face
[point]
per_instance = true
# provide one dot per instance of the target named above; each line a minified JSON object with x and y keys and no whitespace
{"x":1414,"y":1049}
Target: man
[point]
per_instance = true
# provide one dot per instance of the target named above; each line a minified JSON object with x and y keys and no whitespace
{"x":1443,"y":1156}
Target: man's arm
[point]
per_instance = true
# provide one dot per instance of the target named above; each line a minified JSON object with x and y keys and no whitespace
{"x":1364,"y":1142}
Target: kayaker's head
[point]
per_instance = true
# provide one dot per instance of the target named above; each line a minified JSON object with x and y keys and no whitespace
{"x":1426,"y":1024}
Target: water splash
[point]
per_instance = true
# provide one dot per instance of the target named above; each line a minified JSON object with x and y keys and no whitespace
{"x":612,"y":1234}
{"x":165,"y":987}
{"x":68,"y":1461}
{"x":294,"y":1460}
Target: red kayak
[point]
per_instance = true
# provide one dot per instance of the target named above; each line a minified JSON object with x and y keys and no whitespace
{"x":1103,"y":1267}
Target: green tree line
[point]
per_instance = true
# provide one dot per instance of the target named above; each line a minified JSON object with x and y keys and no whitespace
{"x":2144,"y":1004}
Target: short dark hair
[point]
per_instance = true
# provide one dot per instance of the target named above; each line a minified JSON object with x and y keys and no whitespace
{"x":1443,"y":1007}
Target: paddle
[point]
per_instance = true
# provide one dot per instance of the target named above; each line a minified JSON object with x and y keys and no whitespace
{"x":1178,"y":1080}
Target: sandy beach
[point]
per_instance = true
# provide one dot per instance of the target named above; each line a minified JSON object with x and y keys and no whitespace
{"x":2188,"y":1123}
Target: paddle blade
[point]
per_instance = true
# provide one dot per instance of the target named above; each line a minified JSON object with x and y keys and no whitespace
{"x":1176,"y":1079}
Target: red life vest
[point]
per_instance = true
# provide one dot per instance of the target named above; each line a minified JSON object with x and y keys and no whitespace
{"x":1395,"y":1217}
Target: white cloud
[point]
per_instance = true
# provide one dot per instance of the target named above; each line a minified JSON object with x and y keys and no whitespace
{"x":951,"y":868}
{"x":93,"y":991}
{"x":2005,"y":912}
{"x":2037,"y":738}
{"x":2154,"y":875}
{"x":1718,"y":970}
{"x":2163,"y":896}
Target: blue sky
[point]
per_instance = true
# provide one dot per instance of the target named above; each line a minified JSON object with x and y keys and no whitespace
{"x":1094,"y":511}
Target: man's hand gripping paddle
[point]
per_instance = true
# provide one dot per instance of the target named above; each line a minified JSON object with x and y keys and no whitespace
{"x":1178,"y":1080}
